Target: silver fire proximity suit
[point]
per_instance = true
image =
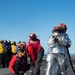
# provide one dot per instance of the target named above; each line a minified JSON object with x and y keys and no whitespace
{"x":56,"y":54}
{"x":66,"y":43}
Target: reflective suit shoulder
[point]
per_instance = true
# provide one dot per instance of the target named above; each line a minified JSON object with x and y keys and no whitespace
{"x":65,"y":39}
{"x":50,"y":41}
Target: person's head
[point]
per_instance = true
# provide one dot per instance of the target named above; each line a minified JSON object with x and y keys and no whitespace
{"x":32,"y":36}
{"x":19,"y":42}
{"x":1,"y":41}
{"x":13,"y":43}
{"x":22,"y":46}
{"x":23,"y":42}
{"x":5,"y":41}
{"x":9,"y":41}
{"x":63,"y":28}
{"x":56,"y":30}
{"x":19,"y":53}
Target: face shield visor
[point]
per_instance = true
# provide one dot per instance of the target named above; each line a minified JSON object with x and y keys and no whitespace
{"x":56,"y":32}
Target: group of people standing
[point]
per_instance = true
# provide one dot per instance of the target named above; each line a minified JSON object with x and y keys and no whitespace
{"x":7,"y":49}
{"x":57,"y":56}
{"x":5,"y":53}
{"x":18,"y":63}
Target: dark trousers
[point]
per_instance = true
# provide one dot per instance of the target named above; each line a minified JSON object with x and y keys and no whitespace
{"x":6,"y":59}
{"x":17,"y":67}
{"x":36,"y":66}
{"x":1,"y":60}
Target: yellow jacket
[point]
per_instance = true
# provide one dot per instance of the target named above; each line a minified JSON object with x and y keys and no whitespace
{"x":1,"y":49}
{"x":13,"y":49}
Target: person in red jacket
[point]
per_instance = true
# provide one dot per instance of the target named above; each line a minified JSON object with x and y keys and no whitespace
{"x":36,"y":52}
{"x":18,"y":63}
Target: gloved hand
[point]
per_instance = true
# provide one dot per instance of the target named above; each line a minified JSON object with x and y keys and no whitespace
{"x":56,"y":40}
{"x":21,"y":72}
{"x":68,"y":45}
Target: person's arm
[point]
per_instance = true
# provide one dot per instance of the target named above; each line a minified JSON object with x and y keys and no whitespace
{"x":32,"y":54}
{"x":11,"y":64}
{"x":68,"y":41}
{"x":65,"y":41}
{"x":51,"y":42}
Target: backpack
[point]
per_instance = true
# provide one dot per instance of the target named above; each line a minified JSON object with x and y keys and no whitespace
{"x":1,"y":49}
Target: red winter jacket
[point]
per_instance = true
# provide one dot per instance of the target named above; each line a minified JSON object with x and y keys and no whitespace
{"x":12,"y":63}
{"x":33,"y":48}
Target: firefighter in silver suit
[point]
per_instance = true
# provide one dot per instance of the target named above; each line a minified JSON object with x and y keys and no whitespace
{"x":56,"y":53}
{"x":66,"y":40}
